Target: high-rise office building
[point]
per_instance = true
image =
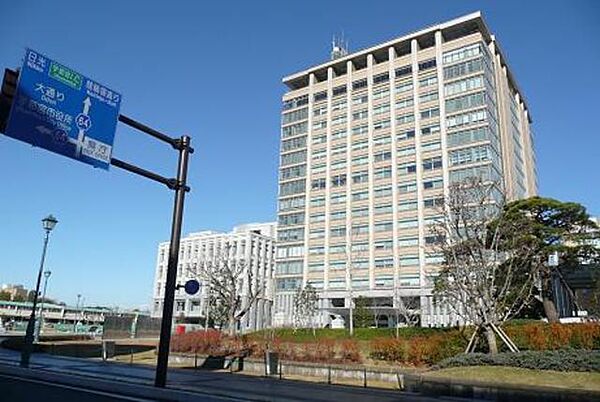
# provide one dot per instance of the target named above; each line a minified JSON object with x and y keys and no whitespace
{"x":250,"y":245}
{"x":370,"y":142}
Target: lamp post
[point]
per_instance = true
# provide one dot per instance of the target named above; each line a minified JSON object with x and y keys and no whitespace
{"x":48,"y":224}
{"x":39,"y":328}
{"x":76,"y":315}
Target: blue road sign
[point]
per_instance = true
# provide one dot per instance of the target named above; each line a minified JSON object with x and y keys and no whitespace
{"x":63,"y":111}
{"x":192,"y":287}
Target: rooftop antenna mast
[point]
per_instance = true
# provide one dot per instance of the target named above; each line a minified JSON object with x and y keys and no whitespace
{"x":339,"y":47}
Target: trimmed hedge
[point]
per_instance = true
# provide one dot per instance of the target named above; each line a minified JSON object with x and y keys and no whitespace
{"x":557,"y":360}
{"x":360,"y":334}
{"x":418,"y":350}
{"x":542,"y":336}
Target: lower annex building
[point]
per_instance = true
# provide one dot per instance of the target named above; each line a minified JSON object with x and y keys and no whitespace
{"x":252,"y":244}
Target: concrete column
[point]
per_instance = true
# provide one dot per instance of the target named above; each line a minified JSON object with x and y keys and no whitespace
{"x":370,"y":64}
{"x":419,"y":174}
{"x":328,"y":186}
{"x":395,"y":212}
{"x":349,"y":78}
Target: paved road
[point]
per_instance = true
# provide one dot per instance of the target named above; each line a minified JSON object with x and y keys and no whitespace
{"x":190,"y":385}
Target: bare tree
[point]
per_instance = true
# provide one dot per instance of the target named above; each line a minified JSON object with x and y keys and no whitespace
{"x":305,"y":307}
{"x":484,"y":276}
{"x":407,"y":310}
{"x":353,"y":254}
{"x":234,"y":288}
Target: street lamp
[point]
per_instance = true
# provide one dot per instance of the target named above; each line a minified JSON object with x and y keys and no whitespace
{"x":48,"y":223}
{"x":39,"y":328}
{"x":76,"y":313}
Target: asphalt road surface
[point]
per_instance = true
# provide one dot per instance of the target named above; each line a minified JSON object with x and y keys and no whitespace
{"x":53,"y":378}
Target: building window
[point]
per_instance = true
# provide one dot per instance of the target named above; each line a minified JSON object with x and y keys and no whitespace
{"x":407,"y":205}
{"x":288,"y":283}
{"x":294,"y":129}
{"x":360,"y":212}
{"x":338,"y":248}
{"x":381,"y":109}
{"x":383,"y":227}
{"x":382,"y":156}
{"x":403,"y":71}
{"x":432,"y":163}
{"x":384,"y":262}
{"x":360,"y":229}
{"x":318,"y":217}
{"x":402,"y":103}
{"x":383,"y":173}
{"x":360,"y":177}
{"x":338,"y":180}
{"x":358,"y":84}
{"x":432,"y":129}
{"x":464,"y":85}
{"x":384,"y":244}
{"x":407,"y":168}
{"x":338,"y":231}
{"x":427,"y":64}
{"x":383,"y":209}
{"x":408,"y":223}
{"x":318,"y":184}
{"x":430,"y":113}
{"x":338,"y":198}
{"x":462,"y":53}
{"x":384,"y":191}
{"x":409,"y":260}
{"x":428,"y":97}
{"x":360,"y":145}
{"x":291,"y":117}
{"x":319,"y":96}
{"x":408,"y":241}
{"x":428,"y":81}
{"x":317,"y":201}
{"x":405,"y":118}
{"x":337,"y":215}
{"x":381,"y":78}
{"x":433,"y":183}
{"x":407,"y":187}
{"x":360,"y":195}
{"x":337,"y":91}
{"x":295,"y":102}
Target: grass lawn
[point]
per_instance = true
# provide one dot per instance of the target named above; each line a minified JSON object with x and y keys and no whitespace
{"x":520,"y":376}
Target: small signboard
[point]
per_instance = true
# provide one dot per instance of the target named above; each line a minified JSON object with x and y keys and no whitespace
{"x":553,"y":259}
{"x":192,"y":287}
{"x":58,"y":109}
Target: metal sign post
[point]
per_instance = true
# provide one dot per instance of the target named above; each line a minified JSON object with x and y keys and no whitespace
{"x":160,"y":379}
{"x":87,"y":153}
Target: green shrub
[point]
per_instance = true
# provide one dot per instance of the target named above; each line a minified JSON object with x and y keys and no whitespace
{"x":418,"y":350}
{"x":541,"y":336}
{"x":558,"y":360}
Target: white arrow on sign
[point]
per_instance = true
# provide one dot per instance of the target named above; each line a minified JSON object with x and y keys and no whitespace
{"x":43,"y":129}
{"x":87,"y":103}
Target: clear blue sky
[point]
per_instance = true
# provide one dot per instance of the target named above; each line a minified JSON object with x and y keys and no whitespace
{"x":213,"y":70}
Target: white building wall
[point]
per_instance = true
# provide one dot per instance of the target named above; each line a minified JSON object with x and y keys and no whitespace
{"x":252,"y":243}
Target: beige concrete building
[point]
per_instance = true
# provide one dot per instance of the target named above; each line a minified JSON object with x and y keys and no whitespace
{"x":370,"y":142}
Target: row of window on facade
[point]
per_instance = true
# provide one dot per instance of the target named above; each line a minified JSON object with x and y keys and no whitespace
{"x":458,"y":121}
{"x":382,"y":281}
{"x":450,"y":72}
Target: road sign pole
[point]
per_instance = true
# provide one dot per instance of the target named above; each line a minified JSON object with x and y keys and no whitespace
{"x":167,"y":315}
